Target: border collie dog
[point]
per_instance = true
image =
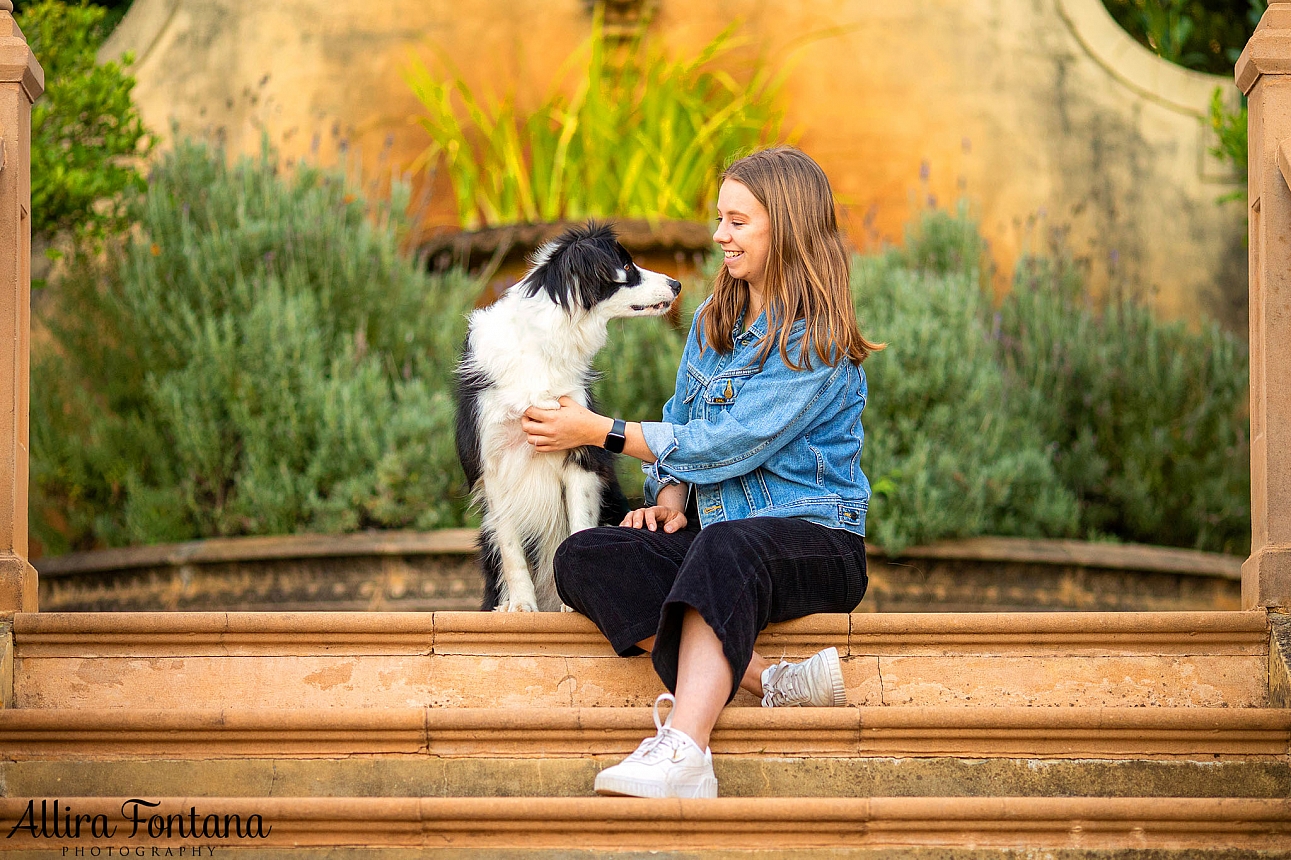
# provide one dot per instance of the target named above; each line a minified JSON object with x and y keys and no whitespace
{"x":531,"y":347}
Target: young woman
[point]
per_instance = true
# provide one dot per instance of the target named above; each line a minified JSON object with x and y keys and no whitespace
{"x":755,"y":498}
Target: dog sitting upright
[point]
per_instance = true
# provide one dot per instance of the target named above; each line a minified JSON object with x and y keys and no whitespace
{"x":531,"y":347}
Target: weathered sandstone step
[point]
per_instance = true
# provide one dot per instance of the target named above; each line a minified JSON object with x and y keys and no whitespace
{"x":1207,"y":734}
{"x":738,"y":776}
{"x":557,"y":752}
{"x":465,"y":659}
{"x":1188,"y":825}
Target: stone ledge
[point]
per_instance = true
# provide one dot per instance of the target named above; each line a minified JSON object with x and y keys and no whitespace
{"x":739,"y":776}
{"x":177,"y":634}
{"x":463,"y":542}
{"x":753,"y":823}
{"x":1163,"y":733}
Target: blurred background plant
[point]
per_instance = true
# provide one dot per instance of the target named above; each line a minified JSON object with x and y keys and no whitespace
{"x":1147,"y":421}
{"x":87,"y":140}
{"x":261,"y":356}
{"x":1204,"y":35}
{"x":258,"y":357}
{"x":1230,"y":130}
{"x":631,"y":132}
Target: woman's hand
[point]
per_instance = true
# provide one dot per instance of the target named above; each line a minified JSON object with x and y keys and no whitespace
{"x":571,"y":426}
{"x":652,"y":518}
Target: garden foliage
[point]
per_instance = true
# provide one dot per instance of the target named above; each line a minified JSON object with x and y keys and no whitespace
{"x":258,"y":358}
{"x":632,"y":133}
{"x":947,"y":451}
{"x":1093,"y":420}
{"x":1147,"y":420}
{"x":86,"y":134}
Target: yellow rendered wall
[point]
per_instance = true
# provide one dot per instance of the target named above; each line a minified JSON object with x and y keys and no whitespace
{"x":1042,"y":114}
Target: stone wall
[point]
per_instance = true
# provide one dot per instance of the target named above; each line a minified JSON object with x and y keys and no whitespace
{"x":1042,"y":114}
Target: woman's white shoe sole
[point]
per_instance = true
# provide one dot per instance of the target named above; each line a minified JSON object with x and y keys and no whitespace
{"x":619,"y":787}
{"x":836,"y":678}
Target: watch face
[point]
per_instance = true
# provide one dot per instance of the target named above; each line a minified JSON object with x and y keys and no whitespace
{"x":615,"y":439}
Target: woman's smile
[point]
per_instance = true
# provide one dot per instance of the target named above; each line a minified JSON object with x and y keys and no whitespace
{"x":743,"y":232}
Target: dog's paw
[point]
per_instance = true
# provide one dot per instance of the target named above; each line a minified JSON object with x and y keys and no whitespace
{"x":517,"y":606}
{"x":564,"y":608}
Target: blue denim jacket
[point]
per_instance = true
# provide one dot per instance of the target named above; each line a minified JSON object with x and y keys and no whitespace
{"x":769,"y":442}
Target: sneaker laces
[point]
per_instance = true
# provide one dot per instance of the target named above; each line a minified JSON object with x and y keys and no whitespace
{"x":784,"y":687}
{"x":666,"y":741}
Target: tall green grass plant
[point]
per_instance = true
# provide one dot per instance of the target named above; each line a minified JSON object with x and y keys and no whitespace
{"x":631,"y":132}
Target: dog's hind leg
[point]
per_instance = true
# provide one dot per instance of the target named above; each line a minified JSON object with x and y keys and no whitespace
{"x":491,"y":568}
{"x":583,"y":491}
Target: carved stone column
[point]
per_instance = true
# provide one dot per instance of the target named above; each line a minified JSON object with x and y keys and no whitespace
{"x":1264,"y":74}
{"x":21,"y":83}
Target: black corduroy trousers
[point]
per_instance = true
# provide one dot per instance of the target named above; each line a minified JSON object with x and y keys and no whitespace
{"x":741,"y":575}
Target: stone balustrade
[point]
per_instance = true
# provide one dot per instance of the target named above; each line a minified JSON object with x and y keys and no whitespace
{"x":1264,"y":75}
{"x":21,"y":82}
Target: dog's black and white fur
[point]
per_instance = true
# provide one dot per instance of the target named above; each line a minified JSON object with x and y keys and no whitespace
{"x":530,"y":348}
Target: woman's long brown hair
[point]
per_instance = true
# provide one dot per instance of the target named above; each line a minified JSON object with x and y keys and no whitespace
{"x":807,"y":266}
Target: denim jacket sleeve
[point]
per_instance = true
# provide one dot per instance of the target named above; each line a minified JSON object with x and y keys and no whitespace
{"x":773,"y":407}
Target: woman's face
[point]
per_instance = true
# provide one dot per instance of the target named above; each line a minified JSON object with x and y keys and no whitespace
{"x":744,"y":232}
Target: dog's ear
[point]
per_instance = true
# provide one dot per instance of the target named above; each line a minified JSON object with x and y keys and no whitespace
{"x":574,"y":269}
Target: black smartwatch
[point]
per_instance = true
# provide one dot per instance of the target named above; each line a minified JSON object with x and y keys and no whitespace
{"x":615,"y":439}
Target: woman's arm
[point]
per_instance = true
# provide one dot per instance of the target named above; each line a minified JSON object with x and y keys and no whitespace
{"x":573,"y":426}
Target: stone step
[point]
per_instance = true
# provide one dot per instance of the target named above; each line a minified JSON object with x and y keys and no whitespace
{"x":738,"y":776}
{"x":1204,"y":734}
{"x":1077,"y":827}
{"x":557,"y":752}
{"x":471,"y":659}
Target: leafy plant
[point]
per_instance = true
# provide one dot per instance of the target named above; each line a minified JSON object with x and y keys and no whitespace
{"x":86,"y":135}
{"x":1147,"y":420}
{"x":257,"y":358}
{"x":635,"y":134}
{"x":1206,"y":35}
{"x":946,"y":450}
{"x":1230,"y":128}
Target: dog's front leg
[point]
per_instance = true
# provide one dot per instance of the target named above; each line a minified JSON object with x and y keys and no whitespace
{"x":519,"y":594}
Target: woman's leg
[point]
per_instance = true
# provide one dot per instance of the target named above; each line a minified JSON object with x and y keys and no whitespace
{"x":736,"y":578}
{"x":752,"y":680}
{"x":619,"y":577}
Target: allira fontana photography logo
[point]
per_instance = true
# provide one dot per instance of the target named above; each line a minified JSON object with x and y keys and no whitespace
{"x":138,"y":819}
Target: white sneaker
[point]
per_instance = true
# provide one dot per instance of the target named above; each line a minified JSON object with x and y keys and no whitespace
{"x":670,"y":764}
{"x":817,"y":681}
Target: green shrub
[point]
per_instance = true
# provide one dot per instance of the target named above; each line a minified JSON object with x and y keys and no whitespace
{"x":638,"y":134}
{"x":1148,"y":420}
{"x":258,"y":358}
{"x":946,"y":453}
{"x":86,"y":135}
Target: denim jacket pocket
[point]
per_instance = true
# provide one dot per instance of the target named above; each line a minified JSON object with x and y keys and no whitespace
{"x":723,"y":389}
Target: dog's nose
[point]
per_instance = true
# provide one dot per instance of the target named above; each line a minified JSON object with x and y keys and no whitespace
{"x":675,"y":286}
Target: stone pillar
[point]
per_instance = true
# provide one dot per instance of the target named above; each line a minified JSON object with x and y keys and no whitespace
{"x":1264,"y":74}
{"x":21,"y":83}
